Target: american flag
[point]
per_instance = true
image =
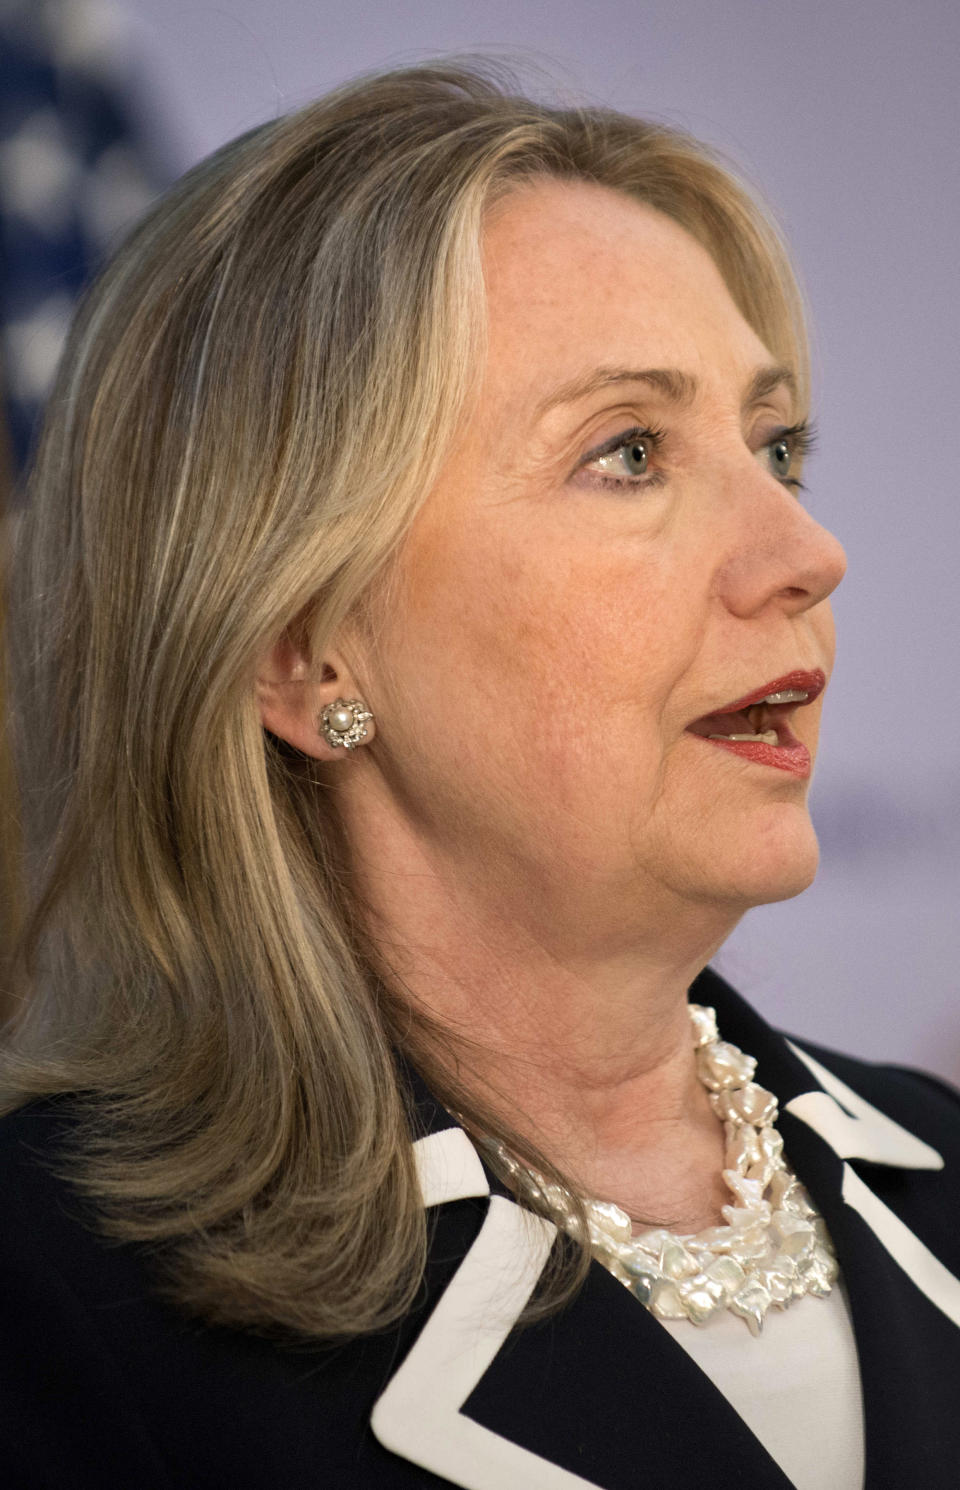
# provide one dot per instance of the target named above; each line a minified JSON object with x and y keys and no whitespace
{"x":75,"y":171}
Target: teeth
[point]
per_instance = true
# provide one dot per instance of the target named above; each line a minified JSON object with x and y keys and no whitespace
{"x":769,"y":737}
{"x":786,"y":696}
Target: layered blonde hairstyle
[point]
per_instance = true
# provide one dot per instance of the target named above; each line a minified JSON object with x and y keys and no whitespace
{"x":253,"y":402}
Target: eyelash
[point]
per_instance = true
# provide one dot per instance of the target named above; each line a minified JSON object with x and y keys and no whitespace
{"x":801,"y":439}
{"x":655,"y":437}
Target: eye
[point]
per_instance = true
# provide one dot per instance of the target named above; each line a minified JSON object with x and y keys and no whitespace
{"x":625,"y":460}
{"x":781,"y":459}
{"x":784,"y":453}
{"x":633,"y":458}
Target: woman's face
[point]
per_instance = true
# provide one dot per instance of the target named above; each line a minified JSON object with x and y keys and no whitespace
{"x":607,"y":557}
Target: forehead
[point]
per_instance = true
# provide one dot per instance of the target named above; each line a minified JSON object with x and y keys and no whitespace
{"x":577,"y":274}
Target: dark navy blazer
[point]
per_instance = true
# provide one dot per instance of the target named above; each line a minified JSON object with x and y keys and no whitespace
{"x":104,"y":1385}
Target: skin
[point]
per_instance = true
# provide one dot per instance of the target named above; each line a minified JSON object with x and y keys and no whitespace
{"x":547,"y":855}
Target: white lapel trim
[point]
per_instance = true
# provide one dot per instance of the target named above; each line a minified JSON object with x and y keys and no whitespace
{"x":862,"y":1131}
{"x":923,"y":1269}
{"x":418,"y":1416}
{"x":448,"y":1167}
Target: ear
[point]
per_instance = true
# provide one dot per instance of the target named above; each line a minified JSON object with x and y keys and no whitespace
{"x":292,"y":694}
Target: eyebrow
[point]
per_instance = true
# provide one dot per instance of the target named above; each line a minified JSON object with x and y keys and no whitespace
{"x":677,"y":387}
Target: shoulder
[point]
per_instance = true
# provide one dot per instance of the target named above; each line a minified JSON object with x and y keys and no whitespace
{"x":56,"y":1261}
{"x":35,"y":1129}
{"x":33,"y":1144}
{"x":58,"y":1284}
{"x":922,"y":1103}
{"x":104,"y":1382}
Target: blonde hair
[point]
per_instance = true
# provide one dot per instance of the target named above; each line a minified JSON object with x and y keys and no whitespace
{"x":254,"y":398}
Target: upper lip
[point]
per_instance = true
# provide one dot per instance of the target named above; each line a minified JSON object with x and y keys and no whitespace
{"x":800,"y":680}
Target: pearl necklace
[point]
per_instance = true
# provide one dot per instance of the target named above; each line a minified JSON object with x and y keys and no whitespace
{"x":774,"y":1247}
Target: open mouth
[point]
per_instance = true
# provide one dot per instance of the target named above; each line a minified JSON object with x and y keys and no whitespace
{"x":757,"y":726}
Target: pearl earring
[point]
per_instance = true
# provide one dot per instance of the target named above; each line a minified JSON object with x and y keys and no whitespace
{"x":344,"y":722}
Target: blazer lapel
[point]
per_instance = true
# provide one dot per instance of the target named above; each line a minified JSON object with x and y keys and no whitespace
{"x":857,"y":1130}
{"x":891,"y":1203}
{"x":420,"y":1414}
{"x":600,"y":1397}
{"x":597,"y":1398}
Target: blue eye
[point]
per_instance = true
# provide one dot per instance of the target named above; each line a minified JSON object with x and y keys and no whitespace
{"x":626,"y":459}
{"x":785,"y":451}
{"x":781,"y":459}
{"x":633,"y":458}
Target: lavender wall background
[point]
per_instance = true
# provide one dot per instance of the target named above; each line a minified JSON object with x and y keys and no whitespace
{"x":846,"y":113}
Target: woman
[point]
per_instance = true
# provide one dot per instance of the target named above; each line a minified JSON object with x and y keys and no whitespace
{"x":422,"y":646}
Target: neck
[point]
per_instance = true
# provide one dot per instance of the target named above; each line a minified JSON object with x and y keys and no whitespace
{"x":580,"y":1042}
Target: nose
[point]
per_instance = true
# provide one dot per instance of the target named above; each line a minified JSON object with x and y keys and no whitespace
{"x":780,"y":555}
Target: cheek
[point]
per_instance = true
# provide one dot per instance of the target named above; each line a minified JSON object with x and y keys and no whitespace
{"x":825,"y":628}
{"x":556,"y":663}
{"x":808,"y":721}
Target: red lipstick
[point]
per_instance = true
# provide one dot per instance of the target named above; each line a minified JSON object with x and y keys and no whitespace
{"x":788,"y":753}
{"x":810,"y":683}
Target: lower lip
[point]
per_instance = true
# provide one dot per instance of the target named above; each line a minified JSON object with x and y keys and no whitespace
{"x":791,"y":755}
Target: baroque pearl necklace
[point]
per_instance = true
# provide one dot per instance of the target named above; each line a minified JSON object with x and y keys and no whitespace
{"x":774,"y":1247}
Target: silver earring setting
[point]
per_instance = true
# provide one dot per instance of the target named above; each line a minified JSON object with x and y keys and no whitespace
{"x":344,"y":722}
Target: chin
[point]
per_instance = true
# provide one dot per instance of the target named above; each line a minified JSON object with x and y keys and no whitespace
{"x":775,"y":864}
{"x":784,"y":888}
{"x":784,"y":875}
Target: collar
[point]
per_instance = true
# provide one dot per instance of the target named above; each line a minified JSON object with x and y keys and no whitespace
{"x":439,"y":1408}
